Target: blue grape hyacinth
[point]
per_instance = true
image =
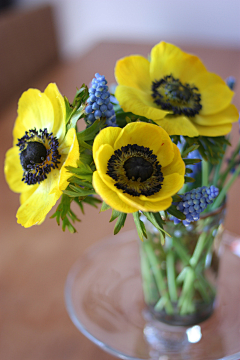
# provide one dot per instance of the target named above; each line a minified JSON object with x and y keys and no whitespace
{"x":99,"y":104}
{"x":231,"y":82}
{"x":194,"y":202}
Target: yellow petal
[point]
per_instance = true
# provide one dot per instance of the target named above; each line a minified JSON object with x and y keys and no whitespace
{"x":109,"y":196}
{"x":102,"y":157}
{"x":171,"y":185}
{"x":227,"y":116}
{"x":176,"y":166}
{"x":26,"y":194}
{"x":206,"y":79}
{"x":168,"y":59}
{"x":59,"y":109}
{"x":34,"y":111}
{"x":147,"y":135}
{"x":215,"y":98}
{"x":13,"y":171}
{"x":133,"y":71}
{"x":106,"y":136}
{"x":145,"y":205}
{"x":70,"y":147}
{"x":178,"y":125}
{"x":220,"y":130}
{"x":139,"y":102}
{"x":34,"y":209}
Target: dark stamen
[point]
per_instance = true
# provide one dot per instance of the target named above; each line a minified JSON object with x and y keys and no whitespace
{"x":171,"y":94}
{"x":38,"y":155}
{"x":136,"y":170}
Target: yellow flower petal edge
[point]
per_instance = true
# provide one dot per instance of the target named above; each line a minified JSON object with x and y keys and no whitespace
{"x":34,"y":210}
{"x":130,"y":168}
{"x":70,"y":147}
{"x":134,"y":72}
{"x":33,"y":116}
{"x":42,"y":117}
{"x":109,"y":196}
{"x":174,"y":75}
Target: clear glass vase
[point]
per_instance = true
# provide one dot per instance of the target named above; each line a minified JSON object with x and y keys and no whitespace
{"x":180,"y":272}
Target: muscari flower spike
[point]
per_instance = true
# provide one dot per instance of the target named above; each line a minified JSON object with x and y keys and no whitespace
{"x":99,"y":104}
{"x":231,"y":82}
{"x":194,"y":202}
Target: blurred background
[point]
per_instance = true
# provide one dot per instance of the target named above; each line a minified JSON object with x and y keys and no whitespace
{"x":83,"y":23}
{"x":67,"y":41}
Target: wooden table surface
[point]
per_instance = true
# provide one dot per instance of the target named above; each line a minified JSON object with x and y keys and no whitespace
{"x":34,"y":262}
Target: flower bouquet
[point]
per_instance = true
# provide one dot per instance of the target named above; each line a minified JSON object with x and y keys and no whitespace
{"x":154,"y":148}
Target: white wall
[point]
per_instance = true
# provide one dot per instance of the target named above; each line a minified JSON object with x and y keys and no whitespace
{"x":82,"y":23}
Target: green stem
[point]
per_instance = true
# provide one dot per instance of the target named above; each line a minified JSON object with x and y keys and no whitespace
{"x":171,"y":277}
{"x":149,"y":285}
{"x":202,"y":290}
{"x":224,"y":176}
{"x":187,"y":291}
{"x":198,"y":250}
{"x":181,"y":250}
{"x":225,"y":189}
{"x":216,"y":173}
{"x":205,"y":172}
{"x":159,"y":278}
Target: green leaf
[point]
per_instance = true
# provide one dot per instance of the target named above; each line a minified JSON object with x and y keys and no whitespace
{"x":123,"y":118}
{"x":191,"y":161}
{"x":81,"y":191}
{"x":210,"y":148}
{"x":120,"y":222}
{"x":81,"y":96}
{"x":115,"y":214}
{"x":76,"y":180}
{"x":75,"y":116}
{"x":84,"y":145}
{"x":188,"y":171}
{"x":91,"y":200}
{"x":71,"y":194}
{"x":105,"y":206}
{"x":174,"y":212}
{"x":155,"y":219}
{"x":188,"y":179}
{"x":90,"y":132}
{"x":176,"y":198}
{"x":83,"y":171}
{"x":63,"y":213}
{"x":86,"y":157}
{"x":189,"y":149}
{"x":69,"y":109}
{"x":139,"y":226}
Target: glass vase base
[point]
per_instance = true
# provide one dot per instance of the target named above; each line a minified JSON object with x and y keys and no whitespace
{"x":105,"y":302}
{"x":202,"y":314}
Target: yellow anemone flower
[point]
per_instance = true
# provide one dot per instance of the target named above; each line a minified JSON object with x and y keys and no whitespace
{"x":35,"y":166}
{"x":137,"y":167}
{"x":176,"y":91}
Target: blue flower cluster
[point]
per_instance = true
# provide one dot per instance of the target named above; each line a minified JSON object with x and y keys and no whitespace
{"x":99,"y":104}
{"x":231,"y":82}
{"x":194,"y":202}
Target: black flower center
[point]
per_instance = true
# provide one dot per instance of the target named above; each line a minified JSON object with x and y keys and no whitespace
{"x":38,"y":155}
{"x":171,"y":94}
{"x":136,"y":170}
{"x":35,"y":153}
